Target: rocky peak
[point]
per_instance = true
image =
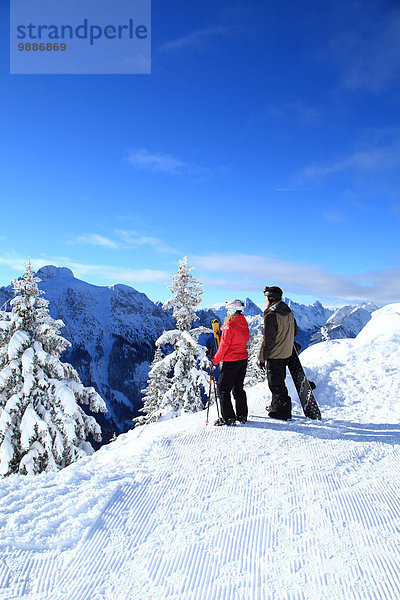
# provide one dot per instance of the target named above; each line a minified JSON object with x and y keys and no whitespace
{"x":51,"y":272}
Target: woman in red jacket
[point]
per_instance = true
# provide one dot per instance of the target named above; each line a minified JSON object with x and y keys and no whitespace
{"x":232,"y":351}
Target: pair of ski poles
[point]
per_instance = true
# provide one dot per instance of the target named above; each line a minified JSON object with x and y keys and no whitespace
{"x":216,"y":332}
{"x":211,"y":389}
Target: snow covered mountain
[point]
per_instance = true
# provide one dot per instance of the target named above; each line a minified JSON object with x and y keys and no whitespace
{"x":309,"y":317}
{"x":345,"y":322}
{"x":269,"y":510}
{"x":250,"y":310}
{"x":316,"y":322}
{"x":361,"y":374}
{"x":112,"y":331}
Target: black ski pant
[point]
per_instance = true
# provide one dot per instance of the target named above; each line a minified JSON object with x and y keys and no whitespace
{"x":231,"y":380}
{"x":281,"y":403}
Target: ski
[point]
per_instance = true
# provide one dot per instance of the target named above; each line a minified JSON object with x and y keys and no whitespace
{"x":216,"y":331}
{"x":304,"y":387}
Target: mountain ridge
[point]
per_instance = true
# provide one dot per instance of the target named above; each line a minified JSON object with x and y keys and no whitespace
{"x":113,"y":330}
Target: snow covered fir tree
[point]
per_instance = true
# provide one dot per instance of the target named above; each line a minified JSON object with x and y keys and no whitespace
{"x":254,"y":374}
{"x":42,"y":427}
{"x":153,"y":394}
{"x":177,"y":381}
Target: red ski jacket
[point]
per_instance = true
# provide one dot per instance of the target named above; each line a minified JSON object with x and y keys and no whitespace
{"x":235,"y":335}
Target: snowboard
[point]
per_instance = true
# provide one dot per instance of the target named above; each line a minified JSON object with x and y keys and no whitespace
{"x":303,"y":387}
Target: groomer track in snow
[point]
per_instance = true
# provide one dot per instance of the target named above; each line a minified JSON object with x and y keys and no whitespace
{"x":268,"y":510}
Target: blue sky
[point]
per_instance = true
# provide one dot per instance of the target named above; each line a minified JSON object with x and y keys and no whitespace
{"x":265,"y":146}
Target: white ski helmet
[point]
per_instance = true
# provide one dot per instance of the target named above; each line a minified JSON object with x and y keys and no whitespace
{"x":234,"y":305}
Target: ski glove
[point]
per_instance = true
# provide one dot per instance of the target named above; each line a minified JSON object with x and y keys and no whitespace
{"x":210,"y":352}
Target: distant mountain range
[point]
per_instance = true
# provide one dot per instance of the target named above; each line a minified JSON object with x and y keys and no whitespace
{"x":113,"y":330}
{"x":316,"y":323}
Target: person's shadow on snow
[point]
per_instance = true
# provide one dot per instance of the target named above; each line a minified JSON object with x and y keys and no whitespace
{"x":331,"y":429}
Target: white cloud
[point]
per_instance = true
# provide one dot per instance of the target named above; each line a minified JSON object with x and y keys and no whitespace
{"x":111,"y":274}
{"x":165,"y":163}
{"x":304,"y":115}
{"x":196,"y":39}
{"x":127,"y":239}
{"x":239,"y":271}
{"x":16,"y":262}
{"x":333,"y":215}
{"x":278,"y":188}
{"x":367,"y":160}
{"x":162,"y":163}
{"x":135,"y":239}
{"x":366,"y":52}
{"x":93,"y":239}
{"x":118,"y":274}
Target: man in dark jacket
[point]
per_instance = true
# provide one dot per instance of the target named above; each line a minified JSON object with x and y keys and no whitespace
{"x":280,"y":327}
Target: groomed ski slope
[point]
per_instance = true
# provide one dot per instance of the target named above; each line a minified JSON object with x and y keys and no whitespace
{"x":269,"y":510}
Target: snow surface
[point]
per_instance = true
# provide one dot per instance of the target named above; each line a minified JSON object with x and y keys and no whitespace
{"x":269,"y":510}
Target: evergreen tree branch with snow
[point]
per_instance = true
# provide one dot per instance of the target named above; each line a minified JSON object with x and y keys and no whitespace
{"x":254,"y":374}
{"x":187,"y":293}
{"x":42,"y":427}
{"x":177,"y":381}
{"x":157,"y":386}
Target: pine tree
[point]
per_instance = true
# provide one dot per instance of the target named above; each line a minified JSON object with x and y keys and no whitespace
{"x":42,"y":428}
{"x":187,"y":295}
{"x":157,"y":385}
{"x":254,"y":374}
{"x":186,"y":365}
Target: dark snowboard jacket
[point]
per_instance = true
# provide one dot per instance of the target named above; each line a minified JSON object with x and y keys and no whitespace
{"x":280,"y":327}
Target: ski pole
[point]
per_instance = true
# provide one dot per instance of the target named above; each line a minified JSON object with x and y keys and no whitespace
{"x":209,"y":396}
{"x":211,"y":388}
{"x":216,"y":397}
{"x":214,"y":388}
{"x":216,"y":332}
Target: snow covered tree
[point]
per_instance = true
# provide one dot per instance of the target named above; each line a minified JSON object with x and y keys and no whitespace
{"x":187,"y":295}
{"x":42,"y":428}
{"x":254,"y":374}
{"x":186,"y":365}
{"x":157,"y":385}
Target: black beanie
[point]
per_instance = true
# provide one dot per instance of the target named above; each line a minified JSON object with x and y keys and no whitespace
{"x":273,"y":292}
